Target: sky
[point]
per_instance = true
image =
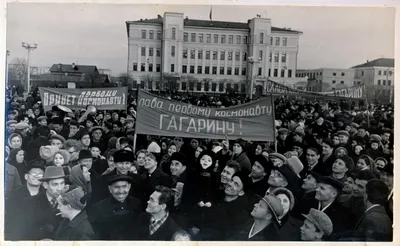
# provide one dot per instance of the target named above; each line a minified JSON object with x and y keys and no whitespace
{"x":95,"y":34}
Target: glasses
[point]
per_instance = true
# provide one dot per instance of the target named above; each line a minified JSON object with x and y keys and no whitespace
{"x":37,"y":175}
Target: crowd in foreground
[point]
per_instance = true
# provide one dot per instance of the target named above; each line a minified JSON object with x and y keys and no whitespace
{"x":331,"y":178}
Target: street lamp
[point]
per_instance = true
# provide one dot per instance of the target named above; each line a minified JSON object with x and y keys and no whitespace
{"x":252,"y":60}
{"x":29,"y":47}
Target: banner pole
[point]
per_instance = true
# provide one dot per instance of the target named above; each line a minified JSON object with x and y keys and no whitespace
{"x":134,"y":142}
{"x":273,"y":119}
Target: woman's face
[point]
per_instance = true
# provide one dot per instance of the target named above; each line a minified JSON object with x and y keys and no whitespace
{"x":141,"y":159}
{"x":171,"y":150}
{"x":20,"y":156}
{"x":205,"y":161}
{"x":361,"y":164}
{"x":341,"y":152}
{"x":358,"y":149}
{"x":58,"y":159}
{"x":258,"y":150}
{"x":285,"y":201}
{"x":85,"y":140}
{"x":374,"y":146}
{"x":380,"y":164}
{"x":16,"y":142}
{"x":164,"y":146}
{"x":237,"y":149}
{"x":115,"y":117}
{"x":110,"y":161}
{"x":86,"y":173}
{"x":198,"y":152}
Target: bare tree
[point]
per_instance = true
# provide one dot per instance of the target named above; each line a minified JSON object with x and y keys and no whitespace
{"x":170,"y":81}
{"x":125,"y":79}
{"x":18,"y":70}
{"x":148,"y":81}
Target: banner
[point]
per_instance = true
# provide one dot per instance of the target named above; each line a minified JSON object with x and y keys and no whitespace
{"x":354,"y":92}
{"x":159,"y":116}
{"x":114,"y":98}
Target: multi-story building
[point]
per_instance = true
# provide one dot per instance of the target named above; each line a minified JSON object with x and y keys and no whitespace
{"x":327,"y":79}
{"x":201,"y":55}
{"x":378,"y":78}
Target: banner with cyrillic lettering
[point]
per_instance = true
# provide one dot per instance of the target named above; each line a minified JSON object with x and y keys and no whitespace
{"x":114,"y":98}
{"x":159,"y":116}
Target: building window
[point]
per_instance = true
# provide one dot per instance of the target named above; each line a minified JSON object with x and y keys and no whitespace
{"x":275,"y":72}
{"x":277,"y":41}
{"x":208,"y":38}
{"x":270,"y":57}
{"x":223,"y":39}
{"x":173,"y":33}
{"x":342,"y":82}
{"x":221,"y":87}
{"x":243,"y":71}
{"x":229,"y":71}
{"x":222,"y":56}
{"x":271,"y":41}
{"x":173,"y":51}
{"x":191,"y":85}
{"x":184,"y":86}
{"x":379,"y":82}
{"x":142,"y":84}
{"x":221,"y":70}
{"x":199,"y":69}
{"x":362,"y":73}
{"x":228,"y":86}
{"x":384,"y":72}
{"x":359,"y":82}
{"x":389,"y":82}
{"x":213,"y":86}
{"x":184,"y":69}
{"x":333,"y":81}
{"x":236,"y":87}
{"x":259,"y":71}
{"x":243,"y":88}
{"x":151,"y":51}
{"x":150,"y":67}
{"x":142,"y":67}
{"x":143,"y":51}
{"x":283,"y":58}
{"x":284,"y":41}
{"x":261,"y":38}
{"x":185,"y":37}
{"x":383,"y":82}
{"x":215,"y":55}
{"x":151,"y":34}
{"x":244,"y":56}
{"x":135,"y":66}
{"x":237,"y":56}
{"x":193,"y":37}
{"x":172,"y":68}
{"x":216,"y":38}
{"x":333,"y":88}
{"x":158,"y":51}
{"x":238,"y":39}
{"x":185,"y":53}
{"x":282,"y":73}
{"x":200,"y":54}
{"x":236,"y":71}
{"x":260,"y":54}
{"x":269,"y":72}
{"x":158,"y":35}
{"x":230,"y":55}
{"x":192,"y":54}
{"x":198,"y":86}
{"x":214,"y":70}
{"x":207,"y":70}
{"x":231,"y":39}
{"x":191,"y":69}
{"x":206,"y":86}
{"x":207,"y":55}
{"x":379,"y":72}
{"x":343,"y":74}
{"x":150,"y":85}
{"x":158,"y":68}
{"x":201,"y":38}
{"x":276,"y":57}
{"x":143,"y":34}
{"x":290,"y":73}
{"x":244,"y":39}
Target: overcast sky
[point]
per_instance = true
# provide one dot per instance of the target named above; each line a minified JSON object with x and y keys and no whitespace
{"x":95,"y":34}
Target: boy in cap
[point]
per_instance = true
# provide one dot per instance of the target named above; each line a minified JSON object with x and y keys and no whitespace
{"x":57,"y":140}
{"x":340,"y":168}
{"x":317,"y":225}
{"x":75,"y":226}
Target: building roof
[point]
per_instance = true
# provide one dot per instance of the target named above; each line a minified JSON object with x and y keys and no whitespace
{"x":209,"y":24}
{"x":72,"y":68}
{"x":99,"y":78}
{"x":380,"y":62}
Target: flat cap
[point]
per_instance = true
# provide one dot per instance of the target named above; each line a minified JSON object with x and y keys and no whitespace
{"x":10,"y":122}
{"x":342,"y":132}
{"x":355,"y":125}
{"x":40,"y":118}
{"x":95,"y":128}
{"x":274,"y":203}
{"x":295,"y":164}
{"x":331,"y":181}
{"x":300,"y":132}
{"x":119,"y":177}
{"x":320,"y":220}
{"x":21,"y":126}
{"x":277,"y":156}
{"x":375,"y":138}
{"x":129,"y":120}
{"x":283,"y":130}
{"x":59,"y":137}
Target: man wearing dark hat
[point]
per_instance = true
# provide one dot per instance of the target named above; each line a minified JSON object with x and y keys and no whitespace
{"x":178,"y":168}
{"x":96,"y":137}
{"x":327,"y":155}
{"x":308,"y":190}
{"x":86,"y":159}
{"x":42,"y":120}
{"x":260,"y":172}
{"x":57,"y":140}
{"x":283,"y":177}
{"x":114,"y":217}
{"x":341,"y":167}
{"x":75,"y":226}
{"x":344,"y":139}
{"x":129,"y":124}
{"x":58,"y":125}
{"x":40,"y":215}
{"x":317,"y":225}
{"x":281,"y":145}
{"x":11,"y":126}
{"x":313,"y":161}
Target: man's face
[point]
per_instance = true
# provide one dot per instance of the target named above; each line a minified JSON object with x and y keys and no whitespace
{"x":129,"y":125}
{"x":260,"y":210}
{"x":54,"y":187}
{"x":57,"y":142}
{"x":237,"y":149}
{"x":257,"y":170}
{"x":32,"y":178}
{"x":95,"y":152}
{"x":298,"y":149}
{"x":87,"y":162}
{"x":194,"y":143}
{"x":282,"y":136}
{"x":227,"y":174}
{"x":385,"y":137}
{"x":297,"y":138}
{"x":339,"y":166}
{"x":73,"y":130}
{"x":149,"y":163}
{"x":308,"y":232}
{"x":343,"y":139}
{"x":309,"y":183}
{"x":326,"y":149}
{"x":97,"y":135}
{"x":57,"y":127}
{"x":336,"y":140}
{"x":387,"y":179}
{"x":141,"y":159}
{"x":348,"y":185}
{"x":312,"y":156}
{"x":64,"y":209}
{"x":120,"y":190}
{"x":43,"y":122}
{"x":116,"y":128}
{"x":11,"y":128}
{"x":361,"y":132}
{"x":26,"y":120}
{"x":324,"y":192}
{"x":235,"y":187}
{"x":85,"y":140}
{"x":153,"y":205}
{"x":177,"y":168}
{"x":359,"y":188}
{"x":123,"y":167}
{"x":320,"y":121}
{"x":276,"y":179}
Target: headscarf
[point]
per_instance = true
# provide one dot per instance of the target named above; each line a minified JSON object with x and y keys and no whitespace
{"x":76,"y":177}
{"x":12,"y":158}
{"x":12,"y":136}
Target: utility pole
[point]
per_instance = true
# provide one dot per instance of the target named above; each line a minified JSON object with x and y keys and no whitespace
{"x":29,"y":47}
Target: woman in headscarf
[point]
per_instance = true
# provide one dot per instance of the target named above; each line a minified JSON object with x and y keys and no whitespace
{"x":239,"y":155}
{"x":17,"y":159}
{"x":80,"y":176}
{"x":61,"y":159}
{"x":15,"y":141}
{"x":365,"y":162}
{"x":165,"y":160}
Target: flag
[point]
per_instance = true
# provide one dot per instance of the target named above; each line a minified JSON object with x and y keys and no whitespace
{"x":211,"y":13}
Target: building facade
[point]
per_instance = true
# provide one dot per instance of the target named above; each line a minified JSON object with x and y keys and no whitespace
{"x":209,"y":56}
{"x":327,"y":79}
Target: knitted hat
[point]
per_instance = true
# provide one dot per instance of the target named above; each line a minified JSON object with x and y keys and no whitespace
{"x":244,"y":177}
{"x":65,"y":154}
{"x":154,"y":148}
{"x":340,"y":148}
{"x":59,"y":137}
{"x":74,"y":198}
{"x":348,"y":161}
{"x":381,"y":159}
{"x":342,"y":132}
{"x":320,"y":220}
{"x":178,"y":156}
{"x":123,"y":156}
{"x":295,"y":164}
{"x":288,"y":193}
{"x":85,"y":154}
{"x":47,"y":152}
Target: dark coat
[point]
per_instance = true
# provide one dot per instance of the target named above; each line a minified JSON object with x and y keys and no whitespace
{"x":12,"y":179}
{"x":149,"y":183}
{"x":164,"y":233}
{"x":112,"y":220}
{"x":374,"y":220}
{"x":269,"y":233}
{"x":223,"y":159}
{"x":78,"y":229}
{"x":290,"y":228}
{"x":303,"y":205}
{"x":33,"y":147}
{"x":327,"y":164}
{"x":243,"y":160}
{"x":257,"y":190}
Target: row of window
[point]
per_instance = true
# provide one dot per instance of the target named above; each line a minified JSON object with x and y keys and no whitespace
{"x":194,"y":37}
{"x":312,"y":75}
{"x":214,"y":70}
{"x":384,"y":72}
{"x":389,"y":82}
{"x":341,"y":82}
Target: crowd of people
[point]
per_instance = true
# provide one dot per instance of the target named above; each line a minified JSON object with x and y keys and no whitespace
{"x":328,"y":176}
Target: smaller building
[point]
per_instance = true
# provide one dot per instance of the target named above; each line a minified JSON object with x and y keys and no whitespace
{"x":327,"y":79}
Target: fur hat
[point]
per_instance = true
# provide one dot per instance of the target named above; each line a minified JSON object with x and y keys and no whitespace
{"x":65,"y":154}
{"x":75,"y":198}
{"x":348,"y":161}
{"x":47,"y":152}
{"x":123,"y":156}
{"x":85,"y":154}
{"x":244,"y":177}
{"x":213,"y":158}
{"x":320,"y":220}
{"x":288,"y":193}
{"x":154,"y":148}
{"x":178,"y":156}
